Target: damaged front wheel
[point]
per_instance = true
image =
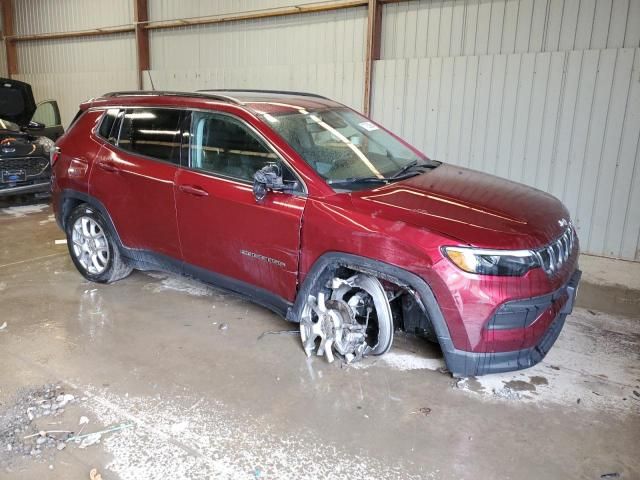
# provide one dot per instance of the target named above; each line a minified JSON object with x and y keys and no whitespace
{"x":351,"y":317}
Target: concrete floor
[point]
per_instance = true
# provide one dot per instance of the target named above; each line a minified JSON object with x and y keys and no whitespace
{"x":202,"y":395}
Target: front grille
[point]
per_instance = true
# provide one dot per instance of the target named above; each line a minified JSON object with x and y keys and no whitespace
{"x":31,"y":165}
{"x":555,"y":255}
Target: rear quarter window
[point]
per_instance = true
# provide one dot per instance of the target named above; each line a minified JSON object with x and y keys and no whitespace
{"x":108,"y":125}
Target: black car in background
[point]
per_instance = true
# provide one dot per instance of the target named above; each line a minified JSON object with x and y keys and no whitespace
{"x":27,"y":135}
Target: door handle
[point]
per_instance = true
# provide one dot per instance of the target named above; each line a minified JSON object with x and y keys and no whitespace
{"x":108,"y":167}
{"x":194,"y":190}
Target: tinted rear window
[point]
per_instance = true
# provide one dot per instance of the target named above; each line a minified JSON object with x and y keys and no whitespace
{"x":108,"y":120}
{"x":152,"y":132}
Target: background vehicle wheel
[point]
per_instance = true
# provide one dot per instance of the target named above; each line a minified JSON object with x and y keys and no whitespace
{"x":92,"y":248}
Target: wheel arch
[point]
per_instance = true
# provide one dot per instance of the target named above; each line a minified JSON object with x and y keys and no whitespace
{"x":324,"y":267}
{"x":70,"y":199}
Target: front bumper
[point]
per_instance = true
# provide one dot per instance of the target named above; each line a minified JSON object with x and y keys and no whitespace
{"x":465,"y":364}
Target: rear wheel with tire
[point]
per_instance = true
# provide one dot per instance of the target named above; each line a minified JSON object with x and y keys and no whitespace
{"x":93,"y":249}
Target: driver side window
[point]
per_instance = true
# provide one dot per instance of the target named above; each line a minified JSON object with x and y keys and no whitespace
{"x":225,"y":146}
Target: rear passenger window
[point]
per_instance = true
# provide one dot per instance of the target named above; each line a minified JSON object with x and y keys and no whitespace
{"x":108,"y":121}
{"x":224,"y":145}
{"x":152,"y":132}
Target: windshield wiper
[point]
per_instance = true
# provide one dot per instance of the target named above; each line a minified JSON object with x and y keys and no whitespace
{"x":413,"y":165}
{"x":352,"y":180}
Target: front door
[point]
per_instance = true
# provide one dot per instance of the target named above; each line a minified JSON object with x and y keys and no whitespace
{"x":134,"y":173}
{"x":48,"y":114}
{"x":222,"y":227}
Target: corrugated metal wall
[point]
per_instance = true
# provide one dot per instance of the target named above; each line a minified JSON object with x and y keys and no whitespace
{"x":171,"y":9}
{"x":47,"y":16}
{"x":319,"y":52}
{"x":546,"y":92}
{"x":543,"y":92}
{"x":73,"y":70}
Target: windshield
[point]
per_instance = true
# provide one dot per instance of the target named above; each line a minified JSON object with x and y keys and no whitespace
{"x":346,"y":148}
{"x":7,"y":125}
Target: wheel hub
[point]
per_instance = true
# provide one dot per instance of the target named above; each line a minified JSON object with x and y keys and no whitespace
{"x":90,"y":245}
{"x":340,"y":323}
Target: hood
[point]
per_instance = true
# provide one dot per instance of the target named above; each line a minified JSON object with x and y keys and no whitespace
{"x":16,"y":101}
{"x":476,"y":208}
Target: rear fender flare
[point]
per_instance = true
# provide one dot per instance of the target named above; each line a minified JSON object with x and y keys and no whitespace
{"x":93,"y":203}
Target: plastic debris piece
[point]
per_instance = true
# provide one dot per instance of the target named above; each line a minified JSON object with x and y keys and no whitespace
{"x":3,"y":326}
{"x":610,"y":475}
{"x":94,"y":475}
{"x":83,"y":420}
{"x":44,"y":433}
{"x":80,"y":438}
{"x":279,"y":332}
{"x":91,"y":439}
{"x":223,"y":326}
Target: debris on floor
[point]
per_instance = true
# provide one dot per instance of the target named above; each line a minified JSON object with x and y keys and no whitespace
{"x":3,"y":326}
{"x":422,"y":411}
{"x":94,"y":475}
{"x":90,"y":439}
{"x":279,"y":332}
{"x":35,"y":424}
{"x":19,"y":424}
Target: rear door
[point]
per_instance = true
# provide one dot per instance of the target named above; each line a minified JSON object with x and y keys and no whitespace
{"x":222,"y":227}
{"x":134,"y":173}
{"x":48,"y":114}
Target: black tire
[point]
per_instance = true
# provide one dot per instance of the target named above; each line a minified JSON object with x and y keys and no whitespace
{"x":115,"y":267}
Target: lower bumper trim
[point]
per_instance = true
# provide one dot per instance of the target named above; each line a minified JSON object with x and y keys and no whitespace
{"x":467,"y":364}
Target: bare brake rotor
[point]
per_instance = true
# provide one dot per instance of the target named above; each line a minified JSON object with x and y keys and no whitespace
{"x":341,"y":323}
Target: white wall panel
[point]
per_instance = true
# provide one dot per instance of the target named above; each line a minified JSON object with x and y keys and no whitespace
{"x":343,"y":81}
{"x":320,"y":52}
{"x":46,"y":16}
{"x":73,"y":70}
{"x":477,"y":27}
{"x":172,"y":9}
{"x":564,"y":122}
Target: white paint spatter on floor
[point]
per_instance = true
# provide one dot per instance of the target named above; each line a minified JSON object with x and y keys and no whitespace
{"x":411,"y":361}
{"x":50,"y":219}
{"x":402,"y":360}
{"x":214,"y":441}
{"x":24,"y":210}
{"x":595,"y":364}
{"x":178,"y":283}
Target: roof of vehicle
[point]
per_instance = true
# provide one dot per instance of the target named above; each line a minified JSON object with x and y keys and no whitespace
{"x":258,"y":101}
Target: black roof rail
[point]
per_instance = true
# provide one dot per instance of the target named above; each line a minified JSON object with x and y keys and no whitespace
{"x":250,"y":90}
{"x":152,"y":93}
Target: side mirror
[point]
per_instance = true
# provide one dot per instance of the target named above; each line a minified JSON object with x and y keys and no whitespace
{"x":35,"y":125}
{"x":267,"y":178}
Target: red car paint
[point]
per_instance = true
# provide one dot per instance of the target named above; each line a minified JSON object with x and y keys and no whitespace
{"x":156,"y":206}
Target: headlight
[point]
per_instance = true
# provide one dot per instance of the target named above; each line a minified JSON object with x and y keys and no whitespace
{"x":46,"y":143}
{"x":510,"y":263}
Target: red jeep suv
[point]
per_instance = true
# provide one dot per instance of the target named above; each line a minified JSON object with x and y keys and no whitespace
{"x":315,"y":212}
